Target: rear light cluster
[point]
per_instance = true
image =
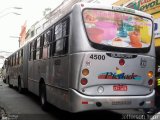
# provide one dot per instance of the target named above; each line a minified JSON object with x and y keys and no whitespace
{"x":85,"y":72}
{"x":150,"y":75}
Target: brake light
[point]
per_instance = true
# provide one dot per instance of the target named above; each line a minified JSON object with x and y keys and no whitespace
{"x":84,"y":81}
{"x":121,"y":62}
{"x":150,"y":82}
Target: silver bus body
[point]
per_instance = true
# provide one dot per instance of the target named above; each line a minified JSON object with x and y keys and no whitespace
{"x":86,"y":75}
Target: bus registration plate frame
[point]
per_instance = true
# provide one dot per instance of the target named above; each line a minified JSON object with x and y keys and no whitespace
{"x":120,"y":88}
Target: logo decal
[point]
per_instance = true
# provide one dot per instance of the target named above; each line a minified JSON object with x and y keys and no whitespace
{"x":119,"y":75}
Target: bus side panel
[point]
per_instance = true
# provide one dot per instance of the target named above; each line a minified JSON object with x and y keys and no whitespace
{"x":57,"y":81}
{"x":30,"y":76}
{"x":36,"y":72}
{"x":39,"y":68}
{"x":25,"y":67}
{"x":13,"y":73}
{"x":75,"y":67}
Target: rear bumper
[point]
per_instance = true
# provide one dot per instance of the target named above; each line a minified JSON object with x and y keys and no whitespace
{"x":80,"y":102}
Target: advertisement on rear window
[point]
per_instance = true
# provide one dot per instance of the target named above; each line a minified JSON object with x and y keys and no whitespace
{"x":117,"y":29}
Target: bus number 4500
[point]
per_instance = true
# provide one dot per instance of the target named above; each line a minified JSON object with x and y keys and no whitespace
{"x":97,"y":57}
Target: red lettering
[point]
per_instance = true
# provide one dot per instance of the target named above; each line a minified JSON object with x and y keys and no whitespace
{"x":120,"y":88}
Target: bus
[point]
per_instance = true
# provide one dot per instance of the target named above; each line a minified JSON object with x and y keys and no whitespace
{"x":92,"y":57}
{"x":3,"y":72}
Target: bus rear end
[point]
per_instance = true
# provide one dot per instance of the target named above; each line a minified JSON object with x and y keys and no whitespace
{"x":119,"y":72}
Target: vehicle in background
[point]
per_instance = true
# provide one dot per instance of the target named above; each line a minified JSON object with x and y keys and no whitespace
{"x":3,"y":71}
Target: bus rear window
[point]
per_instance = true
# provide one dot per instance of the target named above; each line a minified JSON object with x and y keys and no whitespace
{"x":117,"y":29}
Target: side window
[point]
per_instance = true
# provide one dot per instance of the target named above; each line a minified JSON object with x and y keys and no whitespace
{"x":58,"y":31}
{"x":38,"y":49}
{"x":34,"y":45}
{"x":49,"y":39}
{"x":30,"y":52}
{"x":14,"y":59}
{"x":61,"y":37}
{"x":17,"y":58}
{"x":41,"y":46}
{"x":49,"y":36}
{"x":9,"y":60}
{"x":65,"y":35}
{"x":59,"y":46}
{"x":21,"y":56}
{"x":52,"y":42}
{"x":45,"y":47}
{"x":45,"y":39}
{"x":58,"y":38}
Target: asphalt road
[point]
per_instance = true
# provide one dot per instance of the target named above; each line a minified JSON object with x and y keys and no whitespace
{"x":27,"y":107}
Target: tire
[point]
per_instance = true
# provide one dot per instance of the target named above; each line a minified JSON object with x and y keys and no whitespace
{"x":43,"y":100}
{"x":149,"y":111}
{"x":9,"y":83}
{"x":4,"y":80}
{"x":20,"y":89}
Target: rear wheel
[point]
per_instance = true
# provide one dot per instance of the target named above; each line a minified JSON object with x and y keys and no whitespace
{"x":9,"y":83}
{"x":149,"y":111}
{"x":19,"y":86}
{"x":43,"y":99}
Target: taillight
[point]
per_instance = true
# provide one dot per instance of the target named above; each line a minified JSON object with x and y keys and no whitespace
{"x":121,"y":62}
{"x":150,"y":82}
{"x":84,"y":81}
{"x":85,"y":72}
{"x":150,"y":74}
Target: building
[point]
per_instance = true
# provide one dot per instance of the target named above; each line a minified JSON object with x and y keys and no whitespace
{"x":121,"y":2}
{"x":149,"y":6}
{"x":152,"y":7}
{"x":22,"y":35}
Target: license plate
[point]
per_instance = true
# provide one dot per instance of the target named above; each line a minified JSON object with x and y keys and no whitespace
{"x":120,"y":88}
{"x":121,"y":102}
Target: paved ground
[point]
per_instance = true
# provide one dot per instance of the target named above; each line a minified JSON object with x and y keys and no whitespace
{"x":26,"y":107}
